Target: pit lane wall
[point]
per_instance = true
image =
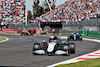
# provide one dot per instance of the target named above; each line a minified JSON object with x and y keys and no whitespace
{"x":83,"y":33}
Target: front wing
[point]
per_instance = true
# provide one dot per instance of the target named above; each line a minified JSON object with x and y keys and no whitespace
{"x":42,"y":52}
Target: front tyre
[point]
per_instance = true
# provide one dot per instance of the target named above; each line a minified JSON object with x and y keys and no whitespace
{"x":36,"y":46}
{"x":44,"y":46}
{"x":22,"y":34}
{"x":69,"y":39}
{"x":80,"y":39}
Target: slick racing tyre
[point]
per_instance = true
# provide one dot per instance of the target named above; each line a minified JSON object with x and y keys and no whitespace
{"x":44,"y":46}
{"x":36,"y":46}
{"x":72,"y":48}
{"x":67,"y":49}
{"x":68,"y":52}
{"x":80,"y":39}
{"x":68,"y":39}
{"x":22,"y":33}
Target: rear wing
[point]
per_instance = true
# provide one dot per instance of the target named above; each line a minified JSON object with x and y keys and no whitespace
{"x":63,"y":37}
{"x":73,"y":33}
{"x":60,"y":37}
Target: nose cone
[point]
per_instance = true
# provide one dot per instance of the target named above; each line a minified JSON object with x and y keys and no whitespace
{"x":51,"y":47}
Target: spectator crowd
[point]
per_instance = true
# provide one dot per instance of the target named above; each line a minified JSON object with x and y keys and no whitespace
{"x":72,"y":10}
{"x":12,"y":11}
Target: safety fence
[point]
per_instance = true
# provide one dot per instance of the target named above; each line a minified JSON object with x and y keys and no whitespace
{"x":84,"y":27}
{"x":83,"y":33}
{"x":89,"y":25}
{"x":29,"y":26}
{"x":66,"y":32}
{"x":18,"y":28}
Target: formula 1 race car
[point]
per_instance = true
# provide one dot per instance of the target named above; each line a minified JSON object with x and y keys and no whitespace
{"x":75,"y":36}
{"x":26,"y":33}
{"x":53,"y":47}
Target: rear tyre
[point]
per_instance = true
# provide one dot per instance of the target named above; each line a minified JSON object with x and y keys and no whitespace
{"x":68,"y":39}
{"x":80,"y":39}
{"x":67,"y":49}
{"x":72,"y":48}
{"x":22,"y":34}
{"x":68,"y":52}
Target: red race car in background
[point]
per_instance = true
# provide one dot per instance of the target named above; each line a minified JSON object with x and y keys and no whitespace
{"x":26,"y":32}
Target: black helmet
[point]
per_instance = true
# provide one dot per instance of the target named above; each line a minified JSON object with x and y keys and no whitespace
{"x":55,"y":37}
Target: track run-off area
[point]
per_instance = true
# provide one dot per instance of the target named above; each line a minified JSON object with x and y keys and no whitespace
{"x":17,"y":51}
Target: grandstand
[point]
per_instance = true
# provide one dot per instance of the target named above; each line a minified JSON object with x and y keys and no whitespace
{"x":73,"y":14}
{"x":72,"y":10}
{"x":12,"y":11}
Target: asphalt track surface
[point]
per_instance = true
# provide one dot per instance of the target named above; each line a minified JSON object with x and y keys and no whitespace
{"x":17,"y":51}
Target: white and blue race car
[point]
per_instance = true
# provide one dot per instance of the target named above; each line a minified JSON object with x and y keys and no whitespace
{"x":53,"y":47}
{"x":75,"y":36}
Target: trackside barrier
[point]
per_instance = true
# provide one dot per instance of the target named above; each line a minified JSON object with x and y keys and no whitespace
{"x":40,"y":31}
{"x":94,"y":34}
{"x":35,"y":31}
{"x":19,"y":31}
{"x":0,"y":29}
{"x":31,"y":31}
{"x":9,"y":30}
{"x":90,"y":33}
{"x":15,"y":31}
{"x":83,"y":33}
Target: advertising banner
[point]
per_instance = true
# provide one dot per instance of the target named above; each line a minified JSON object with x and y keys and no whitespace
{"x":9,"y":30}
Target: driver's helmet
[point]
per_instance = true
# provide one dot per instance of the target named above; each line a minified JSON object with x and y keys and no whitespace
{"x":74,"y":32}
{"x":55,"y":38}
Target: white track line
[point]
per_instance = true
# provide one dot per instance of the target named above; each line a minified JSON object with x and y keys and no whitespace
{"x":4,"y":40}
{"x":88,"y":56}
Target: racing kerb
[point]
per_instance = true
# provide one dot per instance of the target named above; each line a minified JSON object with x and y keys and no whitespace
{"x":88,"y":56}
{"x":4,"y":40}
